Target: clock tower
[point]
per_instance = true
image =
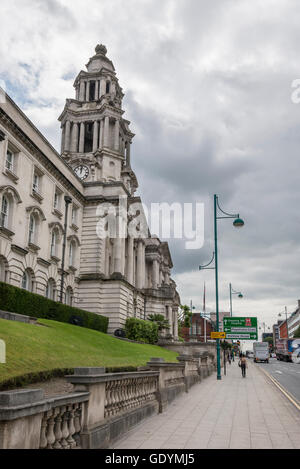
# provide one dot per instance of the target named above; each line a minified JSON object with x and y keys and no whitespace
{"x":96,"y":139}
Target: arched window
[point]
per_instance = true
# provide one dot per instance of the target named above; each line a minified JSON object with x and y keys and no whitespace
{"x":72,"y":248}
{"x":69,"y":296}
{"x":107,"y":87}
{"x":27,"y":280}
{"x":3,"y":269}
{"x":4,"y":212}
{"x":54,"y":243}
{"x":51,"y":289}
{"x":32,"y":229}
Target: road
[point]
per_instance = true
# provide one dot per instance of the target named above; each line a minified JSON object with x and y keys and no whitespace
{"x":286,"y":373}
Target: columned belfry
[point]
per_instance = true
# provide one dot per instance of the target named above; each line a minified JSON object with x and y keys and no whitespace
{"x":123,"y":276}
{"x":96,"y":139}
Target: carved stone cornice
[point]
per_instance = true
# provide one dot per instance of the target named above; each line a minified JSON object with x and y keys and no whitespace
{"x":39,"y":155}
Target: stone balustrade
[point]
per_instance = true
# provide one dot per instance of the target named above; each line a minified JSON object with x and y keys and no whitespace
{"x":62,"y":423}
{"x":102,"y":407}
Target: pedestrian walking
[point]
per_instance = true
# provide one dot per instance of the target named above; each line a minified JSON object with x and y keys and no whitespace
{"x":243,"y":364}
{"x":229,"y":358}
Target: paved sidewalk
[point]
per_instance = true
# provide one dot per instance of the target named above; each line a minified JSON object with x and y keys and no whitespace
{"x":236,"y":412}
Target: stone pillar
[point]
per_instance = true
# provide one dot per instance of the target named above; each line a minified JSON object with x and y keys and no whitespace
{"x":63,"y":135}
{"x":97,"y":90}
{"x":81,"y":138}
{"x":102,"y":86}
{"x":101,"y":133}
{"x":81,"y":91}
{"x":117,"y":134}
{"x":117,"y":255}
{"x":155,"y":273}
{"x":128,"y":154}
{"x":95,"y":138}
{"x":140,"y":265}
{"x":106,"y":132}
{"x":87,"y":91}
{"x":74,"y":144}
{"x":67,"y":135}
{"x":130,"y":259}
{"x":175,"y":323}
{"x":21,"y":414}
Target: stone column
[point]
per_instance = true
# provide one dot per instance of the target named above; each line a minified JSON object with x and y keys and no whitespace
{"x":128,"y":144}
{"x":140,"y":267}
{"x":102,"y":86}
{"x":101,"y":133}
{"x":74,"y":145}
{"x":63,"y":137}
{"x":170,"y":319}
{"x":97,"y":90}
{"x":81,"y":138}
{"x":155,"y":273}
{"x":130,"y":260}
{"x":81,"y":91}
{"x":87,"y":91}
{"x":175,"y":323}
{"x":67,"y":136}
{"x":117,"y":134}
{"x":106,"y":132}
{"x":117,"y":255}
{"x":95,"y":137}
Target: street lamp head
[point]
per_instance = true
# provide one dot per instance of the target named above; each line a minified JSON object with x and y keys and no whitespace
{"x":238,"y":223}
{"x":241,"y":296}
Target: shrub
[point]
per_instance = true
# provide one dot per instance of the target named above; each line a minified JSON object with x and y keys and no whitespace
{"x":16,"y":300}
{"x":141,"y":331}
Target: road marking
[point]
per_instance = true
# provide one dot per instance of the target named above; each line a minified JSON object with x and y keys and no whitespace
{"x":291,"y":398}
{"x":277,"y":371}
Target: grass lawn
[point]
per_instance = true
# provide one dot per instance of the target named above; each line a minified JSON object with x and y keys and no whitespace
{"x":54,"y":345}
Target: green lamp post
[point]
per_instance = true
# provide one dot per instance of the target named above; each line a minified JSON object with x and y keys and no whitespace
{"x":238,"y":223}
{"x":233,"y":292}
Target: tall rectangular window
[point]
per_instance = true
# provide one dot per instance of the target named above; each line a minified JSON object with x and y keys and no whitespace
{"x":9,"y":163}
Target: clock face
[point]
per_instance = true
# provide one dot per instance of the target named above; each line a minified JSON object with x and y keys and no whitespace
{"x":82,"y":171}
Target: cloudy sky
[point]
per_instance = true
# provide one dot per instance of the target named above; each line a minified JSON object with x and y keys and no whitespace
{"x":208,"y":91}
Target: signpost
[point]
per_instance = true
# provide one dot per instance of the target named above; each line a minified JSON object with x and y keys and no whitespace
{"x":240,"y":328}
{"x":217,"y":335}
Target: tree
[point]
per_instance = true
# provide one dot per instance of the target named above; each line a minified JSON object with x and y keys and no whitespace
{"x":297,"y":333}
{"x":160,"y":320}
{"x":184,"y":318}
{"x":270,"y":341}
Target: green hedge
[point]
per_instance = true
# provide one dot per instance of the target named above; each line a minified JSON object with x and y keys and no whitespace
{"x":141,"y":331}
{"x":16,"y":300}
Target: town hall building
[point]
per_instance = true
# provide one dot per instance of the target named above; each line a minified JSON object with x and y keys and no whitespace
{"x":49,"y":241}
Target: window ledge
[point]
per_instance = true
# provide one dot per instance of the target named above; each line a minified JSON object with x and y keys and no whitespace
{"x":33,"y":247}
{"x":7,"y":172}
{"x":72,"y":269}
{"x":57,"y":213}
{"x":74,"y":227}
{"x":55,"y":259}
{"x":6,"y":232}
{"x":36,"y":195}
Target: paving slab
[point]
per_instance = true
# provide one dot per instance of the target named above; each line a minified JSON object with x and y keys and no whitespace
{"x":235,"y":413}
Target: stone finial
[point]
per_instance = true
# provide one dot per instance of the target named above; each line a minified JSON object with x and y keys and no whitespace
{"x":101,"y":49}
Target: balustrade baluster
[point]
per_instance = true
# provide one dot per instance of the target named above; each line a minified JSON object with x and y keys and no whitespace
{"x":50,"y":429}
{"x":70,"y":439}
{"x":65,"y":430}
{"x":57,"y":430}
{"x":43,"y":437}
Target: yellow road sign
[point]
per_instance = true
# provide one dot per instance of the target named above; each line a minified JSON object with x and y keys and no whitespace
{"x":218,"y":335}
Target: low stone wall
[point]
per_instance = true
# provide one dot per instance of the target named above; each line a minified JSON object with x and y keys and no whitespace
{"x":17,"y":317}
{"x":102,"y":408}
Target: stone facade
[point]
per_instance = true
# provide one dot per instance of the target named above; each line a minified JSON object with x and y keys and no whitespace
{"x":112,"y":276}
